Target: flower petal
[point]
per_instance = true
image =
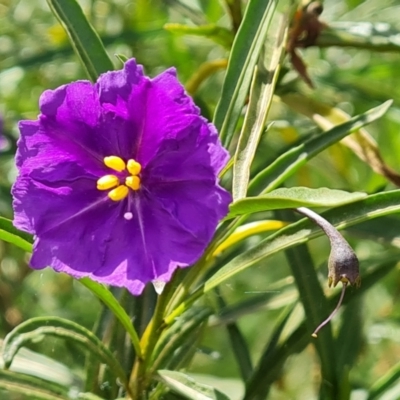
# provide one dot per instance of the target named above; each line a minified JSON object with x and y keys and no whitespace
{"x":151,"y":244}
{"x":113,"y":250}
{"x":158,"y":109}
{"x":46,"y":157}
{"x":183,"y":177}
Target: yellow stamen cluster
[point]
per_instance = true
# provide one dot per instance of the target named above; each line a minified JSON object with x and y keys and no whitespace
{"x":120,"y":191}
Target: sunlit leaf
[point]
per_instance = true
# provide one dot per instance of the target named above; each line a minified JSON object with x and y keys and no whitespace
{"x":243,"y":58}
{"x":31,"y":388}
{"x":293,"y":198}
{"x":261,"y":94}
{"x":372,"y":207}
{"x":360,"y":141}
{"x":28,"y":362}
{"x":289,"y":162}
{"x":188,"y":387}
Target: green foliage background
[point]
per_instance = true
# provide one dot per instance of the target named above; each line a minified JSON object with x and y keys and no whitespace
{"x":35,"y":54}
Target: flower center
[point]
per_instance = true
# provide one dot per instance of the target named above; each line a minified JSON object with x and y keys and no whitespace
{"x":132,"y":180}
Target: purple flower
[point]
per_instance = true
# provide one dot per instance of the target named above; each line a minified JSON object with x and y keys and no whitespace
{"x":118,"y":179}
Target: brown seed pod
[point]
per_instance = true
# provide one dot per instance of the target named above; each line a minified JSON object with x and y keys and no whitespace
{"x":343,"y":265}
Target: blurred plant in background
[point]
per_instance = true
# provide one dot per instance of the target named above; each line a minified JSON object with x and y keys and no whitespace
{"x":280,"y":81}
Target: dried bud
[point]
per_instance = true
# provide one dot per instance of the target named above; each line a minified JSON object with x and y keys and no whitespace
{"x":343,"y":265}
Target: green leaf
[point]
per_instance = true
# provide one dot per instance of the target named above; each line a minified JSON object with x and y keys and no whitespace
{"x":45,"y":368}
{"x":89,"y":396}
{"x":12,"y":235}
{"x":256,"y":385}
{"x":316,"y":309}
{"x":350,"y":343}
{"x":238,"y":343}
{"x":372,"y":207}
{"x":181,"y":331}
{"x":243,"y":58}
{"x":111,"y":302}
{"x":288,"y":163}
{"x":384,"y":382}
{"x":270,"y":368}
{"x":261,"y":94}
{"x":292,"y":198}
{"x":377,"y":36}
{"x":83,"y":37}
{"x":32,"y":388}
{"x":188,"y":387}
{"x":36,"y":329}
{"x":232,"y":312}
{"x":195,"y":15}
{"x":385,"y":229}
{"x":214,"y":32}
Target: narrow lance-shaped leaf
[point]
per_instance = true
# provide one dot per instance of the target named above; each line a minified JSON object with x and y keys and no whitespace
{"x":30,"y":387}
{"x":315,"y":308}
{"x":379,"y":36}
{"x":293,"y":198}
{"x":238,"y":343}
{"x":111,"y":302}
{"x":256,"y":386}
{"x":384,"y":382}
{"x":188,"y":387}
{"x":288,"y":163}
{"x":37,"y":328}
{"x":267,"y":372}
{"x":12,"y":235}
{"x":244,"y":56}
{"x":177,"y":334}
{"x":46,"y":368}
{"x":261,"y":94}
{"x":373,"y":206}
{"x":84,"y":38}
{"x":361,"y":143}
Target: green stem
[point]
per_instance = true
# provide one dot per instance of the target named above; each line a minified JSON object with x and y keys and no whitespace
{"x":140,"y":380}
